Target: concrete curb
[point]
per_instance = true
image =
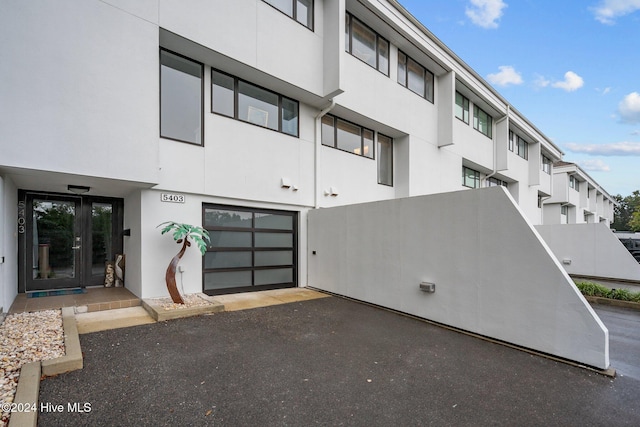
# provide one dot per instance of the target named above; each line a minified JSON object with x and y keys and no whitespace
{"x":27,"y":396}
{"x":159,"y":314}
{"x":72,"y":360}
{"x":29,"y":383}
{"x":613,"y":302}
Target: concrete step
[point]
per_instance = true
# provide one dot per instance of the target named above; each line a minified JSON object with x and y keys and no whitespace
{"x":96,"y":321}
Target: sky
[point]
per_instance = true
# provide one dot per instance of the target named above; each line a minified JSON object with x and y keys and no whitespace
{"x":572,"y":67}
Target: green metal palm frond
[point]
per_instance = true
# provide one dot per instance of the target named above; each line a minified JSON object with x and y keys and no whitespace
{"x":198,"y":235}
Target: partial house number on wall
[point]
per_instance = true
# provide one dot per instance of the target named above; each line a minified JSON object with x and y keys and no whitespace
{"x":172,"y":198}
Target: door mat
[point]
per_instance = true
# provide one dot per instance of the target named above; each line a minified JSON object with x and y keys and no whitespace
{"x":53,"y":293}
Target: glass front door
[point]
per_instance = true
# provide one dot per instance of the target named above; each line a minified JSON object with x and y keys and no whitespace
{"x":55,"y":242}
{"x":67,"y":240}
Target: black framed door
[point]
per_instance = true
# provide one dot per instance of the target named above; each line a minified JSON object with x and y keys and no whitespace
{"x":65,"y":240}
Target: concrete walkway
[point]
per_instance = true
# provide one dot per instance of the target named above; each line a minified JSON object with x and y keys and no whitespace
{"x":326,"y":361}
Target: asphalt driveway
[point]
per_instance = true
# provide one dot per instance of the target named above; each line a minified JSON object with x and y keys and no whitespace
{"x":325,"y":362}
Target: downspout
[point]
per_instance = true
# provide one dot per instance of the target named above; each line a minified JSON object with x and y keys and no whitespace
{"x":495,"y":146}
{"x":316,"y":155}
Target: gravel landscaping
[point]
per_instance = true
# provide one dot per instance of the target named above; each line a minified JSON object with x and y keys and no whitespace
{"x":25,"y":338}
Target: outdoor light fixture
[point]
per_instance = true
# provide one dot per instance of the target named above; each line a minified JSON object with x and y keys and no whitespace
{"x":428,"y":287}
{"x":78,"y":189}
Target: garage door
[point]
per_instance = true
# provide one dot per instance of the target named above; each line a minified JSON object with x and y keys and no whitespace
{"x":250,"y":249}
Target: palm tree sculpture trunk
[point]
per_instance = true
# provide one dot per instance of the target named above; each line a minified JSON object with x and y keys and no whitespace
{"x":170,"y":276}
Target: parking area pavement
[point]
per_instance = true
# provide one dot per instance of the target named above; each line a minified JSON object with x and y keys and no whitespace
{"x":331,"y":362}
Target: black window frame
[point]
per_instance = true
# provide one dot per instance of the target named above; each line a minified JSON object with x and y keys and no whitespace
{"x":349,"y":43}
{"x":429,"y":85}
{"x":377,"y":142}
{"x":295,"y":13}
{"x":160,"y":65}
{"x":476,"y":121}
{"x":465,"y":103}
{"x":496,"y":182}
{"x":518,"y":145}
{"x":546,"y":164}
{"x":236,"y":115}
{"x":476,"y":177}
{"x":362,"y":128}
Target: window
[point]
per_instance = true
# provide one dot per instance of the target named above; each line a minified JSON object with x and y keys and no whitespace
{"x":470,"y":178}
{"x":181,"y":98}
{"x":495,"y":182}
{"x":462,"y":107}
{"x":385,"y":160}
{"x":521,"y":148}
{"x":366,"y":45}
{"x":415,"y":77}
{"x":482,"y":121}
{"x":299,"y":10}
{"x":564,"y":212}
{"x":546,"y":164}
{"x":244,"y":101}
{"x":346,"y":136}
{"x":574,"y":183}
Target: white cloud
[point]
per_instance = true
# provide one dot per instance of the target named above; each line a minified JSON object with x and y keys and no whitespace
{"x":612,"y":149}
{"x":540,"y":81}
{"x":594,"y":165}
{"x":608,"y":10}
{"x":571,"y":82}
{"x":629,"y":108}
{"x":604,"y":91}
{"x":505,"y":77}
{"x":485,"y":13}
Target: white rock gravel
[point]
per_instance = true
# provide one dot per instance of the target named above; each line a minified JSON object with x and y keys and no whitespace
{"x":25,"y":338}
{"x":190,"y":300}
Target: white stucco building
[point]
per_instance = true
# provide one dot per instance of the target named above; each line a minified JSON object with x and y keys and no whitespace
{"x":241,"y":116}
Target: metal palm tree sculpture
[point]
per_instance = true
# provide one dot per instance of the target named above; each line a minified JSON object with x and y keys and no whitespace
{"x":182,"y":233}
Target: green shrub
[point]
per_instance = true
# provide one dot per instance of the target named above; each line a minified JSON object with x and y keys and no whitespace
{"x":597,"y":290}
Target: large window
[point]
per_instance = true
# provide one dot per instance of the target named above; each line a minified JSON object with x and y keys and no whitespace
{"x":366,"y":45}
{"x":462,"y":107}
{"x":546,"y":164}
{"x":300,"y":10}
{"x":482,"y":121}
{"x":385,"y":160}
{"x":244,"y":101}
{"x":181,"y":98}
{"x":519,"y":146}
{"x":415,"y":77}
{"x":470,"y":177}
{"x":346,"y":136}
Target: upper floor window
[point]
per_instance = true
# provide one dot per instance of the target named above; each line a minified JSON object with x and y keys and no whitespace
{"x":415,"y":77}
{"x":470,"y":177}
{"x":244,"y":101}
{"x":546,"y":164}
{"x":346,"y":136}
{"x":181,"y":98}
{"x":366,"y":45}
{"x":385,"y":160}
{"x":482,"y":121}
{"x":520,"y":147}
{"x":495,"y":182}
{"x":462,"y":107}
{"x":300,"y":10}
{"x":574,"y":183}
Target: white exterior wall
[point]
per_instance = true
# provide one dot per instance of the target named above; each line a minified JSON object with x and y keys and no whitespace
{"x":464,"y":243}
{"x":8,"y":243}
{"x":591,"y":250}
{"x":82,"y":80}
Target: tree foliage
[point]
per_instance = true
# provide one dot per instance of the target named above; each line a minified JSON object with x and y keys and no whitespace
{"x":627,"y":212}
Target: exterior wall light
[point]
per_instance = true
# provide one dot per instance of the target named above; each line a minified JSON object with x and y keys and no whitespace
{"x":78,"y":189}
{"x":428,"y":287}
{"x":566,"y":261}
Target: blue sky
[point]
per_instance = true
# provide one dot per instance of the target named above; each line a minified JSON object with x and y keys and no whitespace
{"x":572,"y":67}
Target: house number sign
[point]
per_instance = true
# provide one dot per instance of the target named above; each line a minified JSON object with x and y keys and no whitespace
{"x":172,"y":198}
{"x":21,"y":217}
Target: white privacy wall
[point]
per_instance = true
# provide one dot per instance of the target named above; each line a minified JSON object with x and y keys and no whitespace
{"x":494,"y":275}
{"x":590,"y":250}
